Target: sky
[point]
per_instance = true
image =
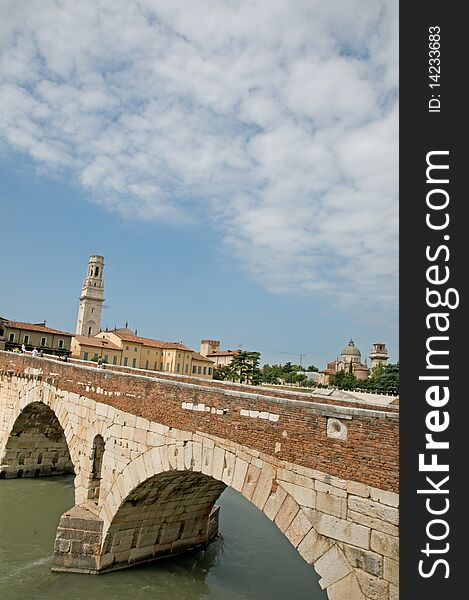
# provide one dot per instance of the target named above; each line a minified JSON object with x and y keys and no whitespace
{"x":235,"y":162}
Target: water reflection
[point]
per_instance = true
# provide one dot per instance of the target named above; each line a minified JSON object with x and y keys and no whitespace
{"x":250,"y":560}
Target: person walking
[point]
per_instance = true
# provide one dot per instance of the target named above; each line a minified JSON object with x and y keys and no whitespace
{"x":34,"y":352}
{"x":23,"y":348}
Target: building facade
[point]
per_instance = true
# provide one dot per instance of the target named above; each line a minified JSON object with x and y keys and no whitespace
{"x":93,"y":348}
{"x":91,"y":298}
{"x":211,"y":349}
{"x":15,"y":334}
{"x":350,"y":362}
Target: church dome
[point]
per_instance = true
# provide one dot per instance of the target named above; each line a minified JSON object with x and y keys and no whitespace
{"x":350,"y":350}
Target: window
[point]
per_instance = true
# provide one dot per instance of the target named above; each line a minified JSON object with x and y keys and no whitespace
{"x":210,"y":370}
{"x":61,"y":344}
{"x":126,"y":347}
{"x":169,"y":354}
{"x":135,"y":349}
{"x":126,"y":361}
{"x":114,"y":360}
{"x":154,"y":366}
{"x":187,"y":368}
{"x":205,"y":370}
{"x":161,"y":366}
{"x":43,"y":341}
{"x":178,"y":367}
{"x":96,"y":271}
{"x":146,"y":364}
{"x":167,"y":366}
{"x":148,"y":351}
{"x":26,"y":339}
{"x":89,"y":330}
{"x":2,"y":331}
{"x":179,"y":355}
{"x":134,"y":362}
{"x":106,"y":357}
{"x":96,"y":356}
{"x":194,"y":369}
{"x":156,"y":353}
{"x":199,"y":370}
{"x":11,"y":337}
{"x":85,"y":355}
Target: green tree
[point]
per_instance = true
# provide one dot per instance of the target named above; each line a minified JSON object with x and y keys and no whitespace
{"x":344,"y":380}
{"x":245,"y":368}
{"x":312,"y":368}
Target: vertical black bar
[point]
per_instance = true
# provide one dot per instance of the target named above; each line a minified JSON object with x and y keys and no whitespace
{"x":433,"y":40}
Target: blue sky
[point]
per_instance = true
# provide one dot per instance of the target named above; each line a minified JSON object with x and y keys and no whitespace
{"x":238,"y":172}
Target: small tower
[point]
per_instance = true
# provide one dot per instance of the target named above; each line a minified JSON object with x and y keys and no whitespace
{"x":92,"y":298}
{"x":378,"y":355}
{"x":209,"y":346}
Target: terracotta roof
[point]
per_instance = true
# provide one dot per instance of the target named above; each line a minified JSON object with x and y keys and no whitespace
{"x":224,"y":353}
{"x":197,"y":356}
{"x":34,"y":327}
{"x":128,"y":336}
{"x":84,"y":340}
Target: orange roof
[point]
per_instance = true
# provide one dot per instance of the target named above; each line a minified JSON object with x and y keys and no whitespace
{"x":34,"y":327}
{"x":84,"y":340}
{"x":197,"y":356}
{"x":224,"y":353}
{"x":128,"y":336}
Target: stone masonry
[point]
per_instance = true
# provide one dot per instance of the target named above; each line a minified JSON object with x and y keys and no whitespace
{"x":325,"y":474}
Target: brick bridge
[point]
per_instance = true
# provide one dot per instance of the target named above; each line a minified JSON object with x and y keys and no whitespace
{"x":152,"y":453}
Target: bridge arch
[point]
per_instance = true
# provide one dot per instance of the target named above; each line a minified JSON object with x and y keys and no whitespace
{"x":164,"y":502}
{"x":36,"y":444}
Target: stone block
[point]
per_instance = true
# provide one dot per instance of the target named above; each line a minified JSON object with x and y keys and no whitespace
{"x":286,"y":514}
{"x":331,"y":504}
{"x":344,"y":531}
{"x":218,"y":462}
{"x":385,"y":544}
{"x":330,"y":489}
{"x":388,"y":498}
{"x":313,"y":546}
{"x":298,"y":529}
{"x":377,"y":524}
{"x":374,"y":588}
{"x":250,"y":481}
{"x":295,"y":478}
{"x":368,"y":561}
{"x":346,"y":589}
{"x":374,"y":509}
{"x":263,"y":486}
{"x":393,"y":592}
{"x":358,"y":489}
{"x":305,"y":496}
{"x":274,"y":502}
{"x":391,"y":570}
{"x":332,"y":566}
{"x":228,"y":469}
{"x":240,"y":470}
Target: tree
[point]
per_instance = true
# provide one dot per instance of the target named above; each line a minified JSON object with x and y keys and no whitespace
{"x":312,"y":368}
{"x":344,"y":380}
{"x":245,"y":368}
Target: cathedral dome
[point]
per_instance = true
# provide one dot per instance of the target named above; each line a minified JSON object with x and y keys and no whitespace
{"x":350,"y":350}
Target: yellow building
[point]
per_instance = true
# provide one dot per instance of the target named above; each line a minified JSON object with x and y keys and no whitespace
{"x":92,"y":348}
{"x":156,"y":355}
{"x":15,"y":334}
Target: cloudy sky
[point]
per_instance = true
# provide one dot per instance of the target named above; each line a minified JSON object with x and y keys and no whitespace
{"x":259,"y":136}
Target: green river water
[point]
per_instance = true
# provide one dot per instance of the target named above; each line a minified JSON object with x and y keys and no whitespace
{"x":250,"y":560}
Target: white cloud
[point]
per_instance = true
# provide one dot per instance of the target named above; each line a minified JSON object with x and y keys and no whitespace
{"x":279,"y":116}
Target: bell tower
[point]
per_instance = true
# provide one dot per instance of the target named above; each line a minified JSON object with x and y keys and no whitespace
{"x":91,"y":298}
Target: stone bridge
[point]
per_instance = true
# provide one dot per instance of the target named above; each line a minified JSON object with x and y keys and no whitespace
{"x":152,"y":453}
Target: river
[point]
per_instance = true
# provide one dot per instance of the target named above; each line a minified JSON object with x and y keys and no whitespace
{"x":250,"y":560}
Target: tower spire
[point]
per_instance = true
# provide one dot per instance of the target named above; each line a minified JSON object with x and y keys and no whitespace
{"x":91,"y":298}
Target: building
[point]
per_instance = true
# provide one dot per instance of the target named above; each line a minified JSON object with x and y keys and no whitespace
{"x":211,"y":349}
{"x":378,"y":355}
{"x":91,"y":298}
{"x":13,"y":334}
{"x":350,"y":361}
{"x":156,"y":355}
{"x":93,"y":348}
